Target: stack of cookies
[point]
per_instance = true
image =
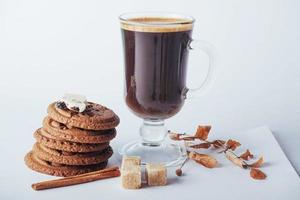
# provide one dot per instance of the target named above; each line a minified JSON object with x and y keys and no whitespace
{"x":73,"y":141}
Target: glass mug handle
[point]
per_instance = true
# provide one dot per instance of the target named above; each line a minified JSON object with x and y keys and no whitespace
{"x":210,"y":50}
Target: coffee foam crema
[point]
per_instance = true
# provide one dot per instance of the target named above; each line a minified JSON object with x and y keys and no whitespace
{"x":157,"y":24}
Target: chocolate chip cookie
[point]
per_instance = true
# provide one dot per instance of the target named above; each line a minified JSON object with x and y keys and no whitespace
{"x":71,"y":158}
{"x":94,"y":117}
{"x":48,"y":140}
{"x":62,"y":131}
{"x":74,"y":138}
{"x":55,"y":169}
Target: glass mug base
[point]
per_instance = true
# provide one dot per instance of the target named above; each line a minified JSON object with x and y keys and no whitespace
{"x":170,"y":155}
{"x":153,"y":148}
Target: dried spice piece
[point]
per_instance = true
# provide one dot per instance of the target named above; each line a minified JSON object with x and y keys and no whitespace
{"x":257,"y":174}
{"x":258,"y":163}
{"x":235,"y":159}
{"x":188,"y":138}
{"x":232,"y":144}
{"x":218,"y":143}
{"x":203,"y":159}
{"x":202,"y":132}
{"x":204,"y":145}
{"x":88,"y":112}
{"x":174,"y":136}
{"x":178,"y":172}
{"x":247,"y":155}
{"x":227,"y":147}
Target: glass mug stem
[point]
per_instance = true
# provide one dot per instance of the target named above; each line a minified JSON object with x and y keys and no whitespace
{"x":153,"y":132}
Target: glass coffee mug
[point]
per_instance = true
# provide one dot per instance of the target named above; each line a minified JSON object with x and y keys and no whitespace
{"x":156,"y":48}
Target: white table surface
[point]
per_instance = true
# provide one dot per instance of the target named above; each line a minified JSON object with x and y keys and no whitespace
{"x":224,"y":182}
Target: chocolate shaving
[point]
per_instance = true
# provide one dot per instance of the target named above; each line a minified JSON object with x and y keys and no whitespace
{"x":76,"y":109}
{"x":88,"y":113}
{"x":61,"y":105}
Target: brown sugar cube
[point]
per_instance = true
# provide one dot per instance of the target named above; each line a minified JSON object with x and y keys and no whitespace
{"x":156,"y":174}
{"x":130,"y":160}
{"x":131,"y":172}
{"x":131,"y":176}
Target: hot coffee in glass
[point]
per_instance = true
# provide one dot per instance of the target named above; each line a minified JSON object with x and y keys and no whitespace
{"x":156,"y":48}
{"x":155,"y":69}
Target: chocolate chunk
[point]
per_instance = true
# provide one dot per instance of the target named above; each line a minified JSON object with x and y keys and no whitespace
{"x":61,"y":105}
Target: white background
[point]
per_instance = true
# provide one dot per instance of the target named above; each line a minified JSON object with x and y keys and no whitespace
{"x":48,"y":48}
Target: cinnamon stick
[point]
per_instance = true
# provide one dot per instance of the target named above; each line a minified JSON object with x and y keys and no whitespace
{"x":78,"y":179}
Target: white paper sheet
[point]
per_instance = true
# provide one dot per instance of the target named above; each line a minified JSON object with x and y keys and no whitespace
{"x":224,"y":182}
